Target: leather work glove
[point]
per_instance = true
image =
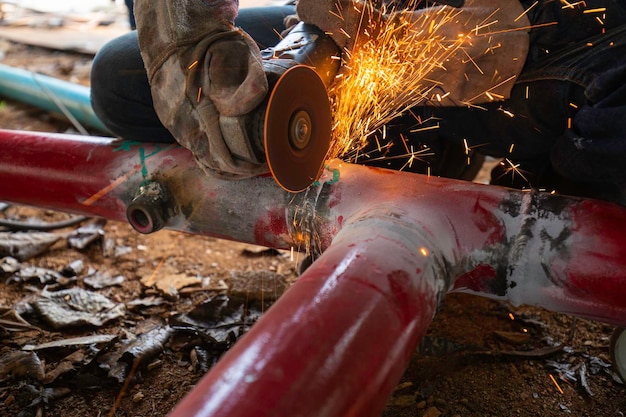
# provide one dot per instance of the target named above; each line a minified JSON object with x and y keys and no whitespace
{"x":482,"y":69}
{"x":205,"y":76}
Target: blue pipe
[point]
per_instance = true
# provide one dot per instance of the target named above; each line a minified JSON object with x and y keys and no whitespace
{"x":49,"y":94}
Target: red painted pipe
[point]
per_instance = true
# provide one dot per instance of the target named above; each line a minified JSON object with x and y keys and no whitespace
{"x":393,"y":244}
{"x":338,"y":341}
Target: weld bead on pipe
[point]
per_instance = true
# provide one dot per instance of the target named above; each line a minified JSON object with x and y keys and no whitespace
{"x":151,"y":209}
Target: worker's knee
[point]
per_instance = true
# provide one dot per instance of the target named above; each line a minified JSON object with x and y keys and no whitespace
{"x":120,"y":92}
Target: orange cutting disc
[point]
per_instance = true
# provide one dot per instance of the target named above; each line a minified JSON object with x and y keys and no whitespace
{"x":297,"y":128}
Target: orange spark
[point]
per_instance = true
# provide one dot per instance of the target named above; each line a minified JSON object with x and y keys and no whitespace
{"x":556,"y":383}
{"x":384,"y":75}
{"x":526,"y":11}
{"x":598,"y":10}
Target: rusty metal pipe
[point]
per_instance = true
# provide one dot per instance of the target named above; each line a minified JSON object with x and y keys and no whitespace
{"x":431,"y":235}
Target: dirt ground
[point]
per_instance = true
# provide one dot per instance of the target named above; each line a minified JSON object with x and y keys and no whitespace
{"x":481,"y":358}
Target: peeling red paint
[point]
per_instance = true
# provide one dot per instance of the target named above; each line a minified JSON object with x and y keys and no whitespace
{"x":267,"y":229}
{"x":598,"y":270}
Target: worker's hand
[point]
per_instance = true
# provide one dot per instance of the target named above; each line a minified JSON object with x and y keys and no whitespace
{"x":343,"y":20}
{"x":483,"y":44}
{"x":206,"y":76}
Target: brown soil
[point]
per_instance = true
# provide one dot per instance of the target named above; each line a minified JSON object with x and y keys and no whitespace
{"x":468,"y":365}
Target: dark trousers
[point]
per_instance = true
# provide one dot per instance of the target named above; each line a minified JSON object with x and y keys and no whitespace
{"x":120,"y":93}
{"x":131,"y":13}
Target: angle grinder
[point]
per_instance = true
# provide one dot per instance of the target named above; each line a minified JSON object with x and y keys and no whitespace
{"x":296,"y":116}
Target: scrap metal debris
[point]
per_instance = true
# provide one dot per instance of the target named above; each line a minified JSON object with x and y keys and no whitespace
{"x":12,"y":321}
{"x":220,"y":321}
{"x":146,"y":302}
{"x":87,"y":234}
{"x":8,"y":265}
{"x":76,"y":307}
{"x":98,"y":280}
{"x":140,"y":350}
{"x":74,"y":269}
{"x":32,"y":273}
{"x":576,"y":370}
{"x":24,"y":246}
{"x":18,"y":365}
{"x":74,"y":341}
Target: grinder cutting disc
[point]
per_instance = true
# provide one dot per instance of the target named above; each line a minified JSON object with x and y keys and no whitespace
{"x":297,"y":128}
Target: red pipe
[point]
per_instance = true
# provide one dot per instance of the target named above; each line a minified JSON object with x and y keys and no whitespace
{"x":338,"y":341}
{"x":393,"y":244}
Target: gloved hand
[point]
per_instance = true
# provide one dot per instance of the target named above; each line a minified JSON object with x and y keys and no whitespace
{"x":205,"y":76}
{"x":484,"y":68}
{"x":343,"y":20}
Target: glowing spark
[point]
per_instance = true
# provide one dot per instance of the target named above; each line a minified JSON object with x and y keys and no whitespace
{"x":385,"y":75}
{"x":527,"y":91}
{"x":598,"y":10}
{"x":523,"y":28}
{"x":199,"y":94}
{"x":514,"y":169}
{"x":526,"y":11}
{"x":192,"y":66}
{"x":156,"y":270}
{"x":569,"y":122}
{"x":422,"y":129}
{"x":573,"y":105}
{"x":470,"y":59}
{"x":106,"y":190}
{"x":511,"y":148}
{"x":507,"y":112}
{"x":556,"y":383}
{"x":511,"y":316}
{"x":424,"y":251}
{"x":511,"y":78}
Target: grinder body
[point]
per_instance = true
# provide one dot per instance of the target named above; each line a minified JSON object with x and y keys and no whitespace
{"x":291,"y":129}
